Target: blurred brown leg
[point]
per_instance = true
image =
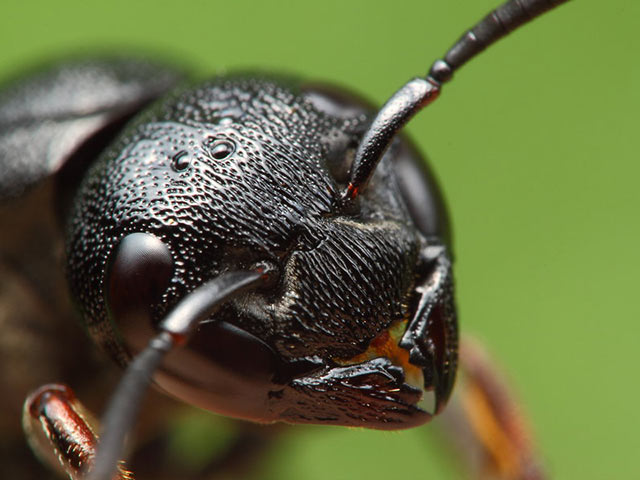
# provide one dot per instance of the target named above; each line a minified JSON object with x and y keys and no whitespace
{"x":485,"y":423}
{"x":61,"y":432}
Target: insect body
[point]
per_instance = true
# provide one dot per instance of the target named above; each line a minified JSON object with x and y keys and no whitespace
{"x":281,"y":233}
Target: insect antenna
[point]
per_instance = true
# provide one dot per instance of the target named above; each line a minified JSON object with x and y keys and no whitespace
{"x":176,"y":328}
{"x":420,"y":92}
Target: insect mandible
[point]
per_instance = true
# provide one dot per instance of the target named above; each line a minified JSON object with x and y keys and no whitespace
{"x":325,"y":239}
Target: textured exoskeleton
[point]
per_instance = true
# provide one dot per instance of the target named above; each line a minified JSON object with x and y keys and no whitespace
{"x":240,"y":170}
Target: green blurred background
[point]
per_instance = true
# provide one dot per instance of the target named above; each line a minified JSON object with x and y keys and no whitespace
{"x":534,"y":143}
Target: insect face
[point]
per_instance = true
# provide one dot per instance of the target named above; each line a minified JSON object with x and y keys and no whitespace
{"x":238,"y":171}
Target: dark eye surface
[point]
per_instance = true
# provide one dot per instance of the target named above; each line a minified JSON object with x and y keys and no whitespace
{"x":340,"y":152}
{"x":138,"y":276}
{"x":219,"y":346}
{"x":339,"y":144}
{"x":336,"y":102}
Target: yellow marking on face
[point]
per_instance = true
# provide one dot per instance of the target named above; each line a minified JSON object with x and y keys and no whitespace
{"x":386,"y":345}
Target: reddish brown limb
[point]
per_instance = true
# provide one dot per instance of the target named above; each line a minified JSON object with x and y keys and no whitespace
{"x":61,"y":432}
{"x":486,"y":423}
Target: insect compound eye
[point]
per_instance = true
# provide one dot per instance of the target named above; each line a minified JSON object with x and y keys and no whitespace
{"x":219,"y":148}
{"x":223,"y":368}
{"x":335,"y":102}
{"x":139,"y":273}
{"x":181,"y":161}
{"x":221,"y":349}
{"x":340,"y":152}
{"x":339,"y":145}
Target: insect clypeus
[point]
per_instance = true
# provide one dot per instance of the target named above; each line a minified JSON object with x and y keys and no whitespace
{"x":272,"y":243}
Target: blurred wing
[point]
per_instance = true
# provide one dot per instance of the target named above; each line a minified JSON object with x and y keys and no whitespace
{"x":69,"y":110}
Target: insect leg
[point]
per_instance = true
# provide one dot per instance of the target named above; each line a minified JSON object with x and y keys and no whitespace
{"x":485,"y":423}
{"x":61,"y":431}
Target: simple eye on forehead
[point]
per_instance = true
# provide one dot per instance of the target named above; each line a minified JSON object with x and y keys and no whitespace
{"x":178,"y":145}
{"x":218,"y":147}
